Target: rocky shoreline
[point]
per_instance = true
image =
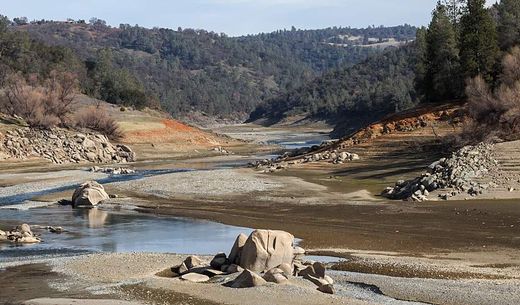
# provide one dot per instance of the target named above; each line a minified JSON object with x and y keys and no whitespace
{"x":457,"y":174}
{"x":61,"y":146}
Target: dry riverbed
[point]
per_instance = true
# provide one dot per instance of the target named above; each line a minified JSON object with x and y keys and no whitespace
{"x":456,"y":252}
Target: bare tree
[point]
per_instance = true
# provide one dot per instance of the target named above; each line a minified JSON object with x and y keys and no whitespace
{"x":61,"y":89}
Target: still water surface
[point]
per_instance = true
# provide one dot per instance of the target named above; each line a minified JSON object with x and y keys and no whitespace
{"x":98,"y":230}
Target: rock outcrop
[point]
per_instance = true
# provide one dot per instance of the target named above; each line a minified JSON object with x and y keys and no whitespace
{"x":457,"y":174}
{"x":265,"y":256}
{"x":62,"y":146}
{"x":266,"y":249}
{"x":89,"y":194}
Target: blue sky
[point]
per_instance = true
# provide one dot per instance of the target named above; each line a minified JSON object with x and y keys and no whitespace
{"x":233,"y":17}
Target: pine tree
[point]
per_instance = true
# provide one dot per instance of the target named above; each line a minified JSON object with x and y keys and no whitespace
{"x":509,"y":23}
{"x":478,"y":41}
{"x":442,"y":80}
{"x":454,"y":10}
{"x":421,"y":48}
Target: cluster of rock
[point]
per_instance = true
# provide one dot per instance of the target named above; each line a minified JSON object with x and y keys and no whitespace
{"x":282,"y":162}
{"x":62,"y":146}
{"x":89,"y":194}
{"x":265,"y":256}
{"x":21,"y":235}
{"x":457,"y":173}
{"x":221,"y":150}
{"x":112,"y":170}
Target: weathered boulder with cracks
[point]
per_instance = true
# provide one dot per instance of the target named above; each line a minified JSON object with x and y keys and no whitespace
{"x":266,"y":249}
{"x":89,"y":194}
{"x":457,"y":174}
{"x":62,"y":146}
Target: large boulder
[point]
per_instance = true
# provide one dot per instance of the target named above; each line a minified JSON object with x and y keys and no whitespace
{"x":234,"y":254}
{"x":248,"y":279}
{"x":266,"y":249}
{"x":89,"y":193}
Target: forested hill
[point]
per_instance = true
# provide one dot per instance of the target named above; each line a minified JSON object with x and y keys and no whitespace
{"x":379,"y":85}
{"x":194,"y":70}
{"x":463,"y":44}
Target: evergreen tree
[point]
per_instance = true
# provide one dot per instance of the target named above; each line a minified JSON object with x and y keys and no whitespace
{"x":421,"y":46}
{"x":454,"y":10}
{"x":478,"y":41}
{"x":443,"y":79}
{"x":509,"y":23}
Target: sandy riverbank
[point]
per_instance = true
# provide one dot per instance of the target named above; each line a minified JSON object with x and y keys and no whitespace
{"x":134,"y":276}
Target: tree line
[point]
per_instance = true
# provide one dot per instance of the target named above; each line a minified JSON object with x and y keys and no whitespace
{"x":465,"y":39}
{"x":188,"y":70}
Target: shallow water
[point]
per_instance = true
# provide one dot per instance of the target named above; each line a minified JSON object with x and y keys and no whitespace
{"x":300,"y":141}
{"x":104,"y":230}
{"x":98,"y":230}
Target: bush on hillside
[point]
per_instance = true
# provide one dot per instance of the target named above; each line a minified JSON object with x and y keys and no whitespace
{"x":496,"y":113}
{"x":96,"y":118}
{"x":43,"y":106}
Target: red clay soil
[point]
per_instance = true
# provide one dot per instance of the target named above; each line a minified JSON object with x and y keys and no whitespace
{"x":172,"y":132}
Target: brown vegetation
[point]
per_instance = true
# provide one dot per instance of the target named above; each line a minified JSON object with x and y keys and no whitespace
{"x":43,"y":106}
{"x":96,"y":118}
{"x":496,"y":113}
{"x":50,"y":103}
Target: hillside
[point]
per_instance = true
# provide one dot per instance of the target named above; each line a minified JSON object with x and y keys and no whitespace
{"x":189,"y":70}
{"x":150,"y":134}
{"x":351,"y":97}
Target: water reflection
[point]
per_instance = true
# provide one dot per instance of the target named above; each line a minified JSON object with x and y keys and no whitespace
{"x":96,"y":218}
{"x":96,"y":229}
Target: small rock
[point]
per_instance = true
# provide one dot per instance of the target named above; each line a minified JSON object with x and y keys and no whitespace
{"x":219,"y":260}
{"x":195,"y":277}
{"x":233,"y":268}
{"x":248,"y":279}
{"x":326,"y":289}
{"x":275,"y":275}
